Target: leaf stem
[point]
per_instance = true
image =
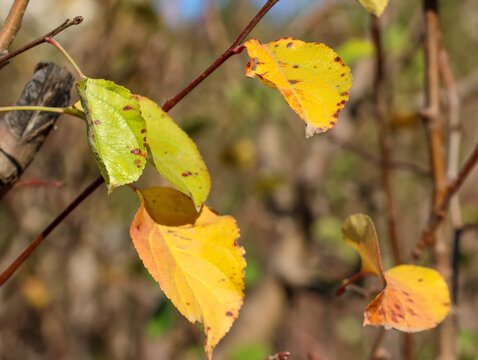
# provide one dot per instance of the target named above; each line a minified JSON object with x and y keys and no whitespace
{"x":65,"y":53}
{"x":69,"y":110}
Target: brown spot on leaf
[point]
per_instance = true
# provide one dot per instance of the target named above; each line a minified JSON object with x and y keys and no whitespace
{"x":97,"y":122}
{"x":229,"y":313}
{"x":289,"y":45}
{"x":394,"y":319}
{"x":337,"y":59}
{"x":332,"y":123}
{"x":295,"y":66}
{"x":401,"y":316}
{"x":345,"y":93}
{"x":143,"y":131}
{"x":293,"y":82}
{"x":420,"y":280}
{"x":342,"y":75}
{"x":127,"y":107}
{"x":186,"y":173}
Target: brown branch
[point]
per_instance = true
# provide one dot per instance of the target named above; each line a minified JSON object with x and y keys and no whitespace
{"x":66,"y":24}
{"x":385,"y":139}
{"x":26,"y":253}
{"x":12,"y":25}
{"x":434,"y":122}
{"x":234,"y":49}
{"x":438,"y":216}
{"x":367,"y":156}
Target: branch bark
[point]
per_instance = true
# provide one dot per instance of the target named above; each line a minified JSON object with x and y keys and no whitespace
{"x":434,"y":122}
{"x":23,"y":132}
{"x":12,"y":25}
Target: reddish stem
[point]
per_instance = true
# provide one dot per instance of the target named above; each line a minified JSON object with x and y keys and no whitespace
{"x":234,"y":49}
{"x":350,"y":281}
{"x":39,"y":183}
{"x":24,"y":255}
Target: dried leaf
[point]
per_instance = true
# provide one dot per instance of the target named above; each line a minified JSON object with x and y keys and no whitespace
{"x":313,"y":79}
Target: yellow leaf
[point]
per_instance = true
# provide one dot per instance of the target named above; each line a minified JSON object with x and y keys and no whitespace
{"x":359,"y":232}
{"x":313,"y":79}
{"x":376,"y":7}
{"x":194,"y":258}
{"x":415,"y":299}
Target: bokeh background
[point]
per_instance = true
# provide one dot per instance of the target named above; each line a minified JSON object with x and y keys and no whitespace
{"x":84,"y":293}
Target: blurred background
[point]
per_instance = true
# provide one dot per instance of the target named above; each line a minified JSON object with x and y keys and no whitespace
{"x":84,"y":293}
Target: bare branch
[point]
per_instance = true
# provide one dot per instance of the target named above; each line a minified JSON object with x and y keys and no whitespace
{"x":12,"y":25}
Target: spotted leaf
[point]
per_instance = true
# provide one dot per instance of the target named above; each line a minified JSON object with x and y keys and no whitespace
{"x":313,"y":79}
{"x":115,"y":130}
{"x":173,"y":154}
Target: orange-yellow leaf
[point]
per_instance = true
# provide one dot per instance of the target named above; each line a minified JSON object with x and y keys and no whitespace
{"x":313,"y":79}
{"x":359,"y":232}
{"x":414,"y":299}
{"x":193,"y":256}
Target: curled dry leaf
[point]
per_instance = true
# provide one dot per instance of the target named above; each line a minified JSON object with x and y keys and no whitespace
{"x":313,"y":79}
{"x":193,"y":256}
{"x":414,"y":298}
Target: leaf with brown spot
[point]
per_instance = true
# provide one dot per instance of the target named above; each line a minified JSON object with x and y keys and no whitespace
{"x":308,"y":75}
{"x":414,"y":298}
{"x":194,"y":258}
{"x":173,"y":154}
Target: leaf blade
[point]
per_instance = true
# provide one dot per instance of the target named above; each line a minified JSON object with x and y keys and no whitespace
{"x":174,"y":155}
{"x":313,"y":79}
{"x":414,"y":299}
{"x":198,"y":264}
{"x":116,"y":130}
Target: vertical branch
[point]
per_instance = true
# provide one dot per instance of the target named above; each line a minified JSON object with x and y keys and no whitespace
{"x":12,"y":24}
{"x":453,"y":159}
{"x":385,"y":140}
{"x":434,"y":122}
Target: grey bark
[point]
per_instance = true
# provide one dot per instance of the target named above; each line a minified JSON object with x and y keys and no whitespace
{"x":23,"y":132}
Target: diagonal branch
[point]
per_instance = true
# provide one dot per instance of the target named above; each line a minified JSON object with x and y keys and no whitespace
{"x":66,"y":24}
{"x":233,"y":49}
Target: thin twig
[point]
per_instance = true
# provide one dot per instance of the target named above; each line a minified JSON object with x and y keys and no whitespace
{"x":12,"y":24}
{"x":438,"y":216}
{"x":234,"y":49}
{"x":77,"y":20}
{"x":24,"y":255}
{"x":386,"y":157}
{"x":38,"y":183}
{"x":385,"y":139}
{"x":170,"y":104}
{"x":365,"y":155}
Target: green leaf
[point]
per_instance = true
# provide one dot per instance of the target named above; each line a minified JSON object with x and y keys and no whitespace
{"x":116,"y":130}
{"x":173,"y":153}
